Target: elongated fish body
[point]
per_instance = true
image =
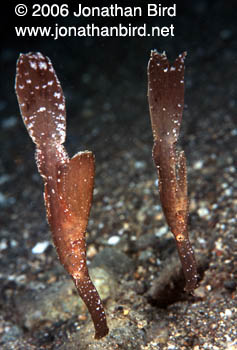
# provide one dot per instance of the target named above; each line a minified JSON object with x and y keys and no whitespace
{"x":68,"y":183}
{"x":166,"y":100}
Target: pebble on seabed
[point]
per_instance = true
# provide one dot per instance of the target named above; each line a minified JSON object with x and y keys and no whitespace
{"x":40,"y":247}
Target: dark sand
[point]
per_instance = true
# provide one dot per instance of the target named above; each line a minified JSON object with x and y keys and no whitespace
{"x":131,"y":252}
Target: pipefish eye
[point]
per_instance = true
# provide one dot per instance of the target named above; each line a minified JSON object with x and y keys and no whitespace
{"x":180,"y":237}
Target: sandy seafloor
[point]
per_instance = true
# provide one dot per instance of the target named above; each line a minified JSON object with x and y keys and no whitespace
{"x":130,"y":249}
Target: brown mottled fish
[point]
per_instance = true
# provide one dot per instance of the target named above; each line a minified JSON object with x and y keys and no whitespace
{"x":166,"y":100}
{"x":68,"y":183}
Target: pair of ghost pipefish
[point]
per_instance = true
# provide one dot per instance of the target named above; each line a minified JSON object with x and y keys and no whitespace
{"x":68,"y":183}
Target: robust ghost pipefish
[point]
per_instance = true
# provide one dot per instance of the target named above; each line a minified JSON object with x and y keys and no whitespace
{"x":166,"y":100}
{"x":68,"y":183}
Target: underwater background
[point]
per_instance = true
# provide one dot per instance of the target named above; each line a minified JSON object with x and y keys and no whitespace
{"x":129,"y":246}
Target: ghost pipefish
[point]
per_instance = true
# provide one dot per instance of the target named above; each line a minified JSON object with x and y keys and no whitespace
{"x":68,"y":183}
{"x":166,"y":100}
